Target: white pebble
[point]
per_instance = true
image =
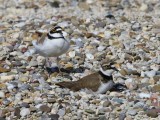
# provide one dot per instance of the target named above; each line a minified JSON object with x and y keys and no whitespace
{"x":2,"y":95}
{"x":61,"y":112}
{"x":144,"y":95}
{"x":9,"y":77}
{"x":72,"y":54}
{"x":101,"y":48}
{"x":24,"y":112}
{"x":151,"y":73}
{"x":41,"y":60}
{"x":90,"y":56}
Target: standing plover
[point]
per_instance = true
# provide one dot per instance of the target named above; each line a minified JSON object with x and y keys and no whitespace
{"x":52,"y":44}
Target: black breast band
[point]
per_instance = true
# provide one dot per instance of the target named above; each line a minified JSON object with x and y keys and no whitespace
{"x":51,"y":37}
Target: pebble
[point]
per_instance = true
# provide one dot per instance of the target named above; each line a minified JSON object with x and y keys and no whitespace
{"x":132,"y":112}
{"x":101,"y":48}
{"x":144,"y":7}
{"x":136,"y":26}
{"x":61,"y":112}
{"x":122,"y":116}
{"x":150,"y":73}
{"x":51,"y":100}
{"x":152,"y":113}
{"x":21,"y":24}
{"x":72,"y":54}
{"x":89,"y":111}
{"x":24,"y":112}
{"x":24,"y":104}
{"x":41,"y":60}
{"x":17,"y":112}
{"x":7,"y":78}
{"x":54,"y":116}
{"x":130,"y":83}
{"x":33,"y":63}
{"x":105,"y":103}
{"x":2,"y":94}
{"x":23,"y":78}
{"x":156,"y":88}
{"x":89,"y":56}
{"x":45,"y":108}
{"x":144,"y":95}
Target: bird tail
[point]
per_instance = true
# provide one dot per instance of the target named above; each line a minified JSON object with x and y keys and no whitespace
{"x":65,"y":84}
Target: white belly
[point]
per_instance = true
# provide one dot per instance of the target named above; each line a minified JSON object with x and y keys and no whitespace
{"x":104,"y":87}
{"x":53,"y":48}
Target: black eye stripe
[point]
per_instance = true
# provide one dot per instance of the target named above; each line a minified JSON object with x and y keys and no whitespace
{"x":57,"y":27}
{"x":59,"y":31}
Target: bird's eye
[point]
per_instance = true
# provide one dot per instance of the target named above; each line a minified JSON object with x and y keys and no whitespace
{"x":53,"y":31}
{"x":56,"y":29}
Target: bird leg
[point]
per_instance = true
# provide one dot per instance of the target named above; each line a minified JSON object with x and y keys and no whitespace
{"x":48,"y":65}
{"x":58,"y":65}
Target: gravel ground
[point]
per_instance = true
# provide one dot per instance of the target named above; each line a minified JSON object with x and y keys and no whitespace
{"x":127,"y":31}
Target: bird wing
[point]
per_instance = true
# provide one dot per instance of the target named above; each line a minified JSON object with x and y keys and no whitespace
{"x":41,"y":40}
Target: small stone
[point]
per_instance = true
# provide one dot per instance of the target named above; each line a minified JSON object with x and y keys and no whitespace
{"x":24,"y":112}
{"x":130,"y":84}
{"x":84,"y":5}
{"x":17,"y":112}
{"x":136,"y":27}
{"x":123,"y":72}
{"x":132,"y":112}
{"x":156,"y":88}
{"x":144,"y":7}
{"x":23,"y":49}
{"x":24,"y":104}
{"x":102,"y":117}
{"x":33,"y":63}
{"x":41,"y":60}
{"x":29,"y":100}
{"x":74,"y":21}
{"x":2,"y":70}
{"x":118,"y":100}
{"x":122,"y":116}
{"x":55,"y":4}
{"x":151,"y":73}
{"x":33,"y":109}
{"x":17,"y":63}
{"x":7,"y":78}
{"x":72,"y":54}
{"x":51,"y":100}
{"x":2,"y":85}
{"x":45,"y":108}
{"x":152,"y":113}
{"x":144,"y":95}
{"x":61,"y":112}
{"x":21,"y":24}
{"x":89,"y":56}
{"x":24,"y":78}
{"x":54,"y":116}
{"x":105,"y":103}
{"x":2,"y":94}
{"x":90,"y":111}
{"x":101,"y":24}
{"x":101,"y":48}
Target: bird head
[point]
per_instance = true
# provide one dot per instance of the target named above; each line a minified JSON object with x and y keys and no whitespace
{"x":56,"y":32}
